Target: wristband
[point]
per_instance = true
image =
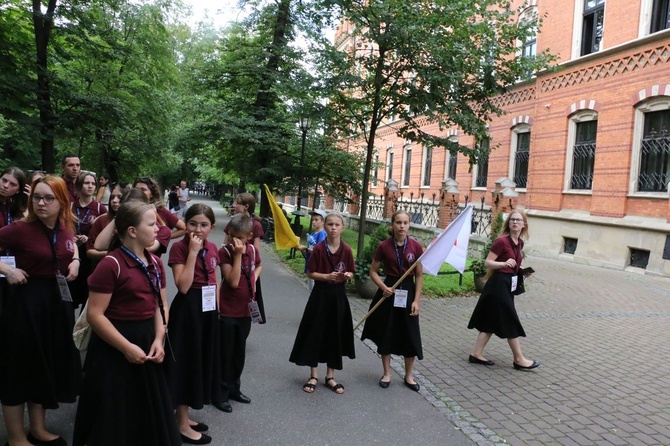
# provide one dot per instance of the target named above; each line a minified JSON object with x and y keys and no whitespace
{"x":75,"y":258}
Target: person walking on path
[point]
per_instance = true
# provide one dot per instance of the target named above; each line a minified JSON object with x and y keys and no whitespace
{"x":183,"y":197}
{"x":326,"y":331}
{"x":194,"y":328}
{"x":394,"y":326}
{"x":495,"y":311}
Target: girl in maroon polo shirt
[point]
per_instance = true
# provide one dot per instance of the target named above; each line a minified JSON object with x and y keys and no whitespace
{"x":495,"y":311}
{"x":101,"y":223}
{"x":150,"y":188}
{"x":326,"y":332}
{"x":394,"y":326}
{"x":125,"y":398}
{"x":40,"y":364}
{"x":194,"y":376}
{"x":12,"y":197}
{"x":85,"y":210}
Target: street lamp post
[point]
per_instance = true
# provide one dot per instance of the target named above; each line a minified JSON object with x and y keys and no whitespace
{"x":304,"y":126}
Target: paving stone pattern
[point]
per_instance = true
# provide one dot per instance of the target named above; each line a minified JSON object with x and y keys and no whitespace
{"x":602,"y":339}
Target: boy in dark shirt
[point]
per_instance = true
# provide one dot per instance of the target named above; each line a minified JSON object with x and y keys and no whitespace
{"x":240,"y":267}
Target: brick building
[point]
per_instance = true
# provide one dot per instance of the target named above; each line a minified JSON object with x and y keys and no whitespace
{"x":587,"y":145}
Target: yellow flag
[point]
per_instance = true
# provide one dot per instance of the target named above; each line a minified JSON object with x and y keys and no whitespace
{"x":284,"y":236}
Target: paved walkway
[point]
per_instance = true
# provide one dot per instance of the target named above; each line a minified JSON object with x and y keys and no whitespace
{"x":601,"y":336}
{"x":602,"y":339}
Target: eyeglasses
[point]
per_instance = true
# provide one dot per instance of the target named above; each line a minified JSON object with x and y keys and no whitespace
{"x":516,"y":220}
{"x":48,"y":199}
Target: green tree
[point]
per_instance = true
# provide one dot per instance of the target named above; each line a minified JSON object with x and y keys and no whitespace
{"x":440,"y":60}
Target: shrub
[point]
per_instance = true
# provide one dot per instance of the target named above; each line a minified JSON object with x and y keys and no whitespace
{"x":364,"y":262}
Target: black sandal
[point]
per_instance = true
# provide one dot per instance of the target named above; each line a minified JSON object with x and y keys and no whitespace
{"x":309,"y":387}
{"x":334,"y":388}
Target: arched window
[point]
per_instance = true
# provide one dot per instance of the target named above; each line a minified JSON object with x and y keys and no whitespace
{"x":581,"y":150}
{"x":650,"y":165}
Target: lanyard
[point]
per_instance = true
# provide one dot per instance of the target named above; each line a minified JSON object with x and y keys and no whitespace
{"x":400,"y":259}
{"x":204,"y":264}
{"x":332,"y":265}
{"x":52,"y":242}
{"x":156,"y":286}
{"x":81,"y":220}
{"x":517,"y":253}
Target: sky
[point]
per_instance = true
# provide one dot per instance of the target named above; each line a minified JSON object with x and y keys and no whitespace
{"x":220,"y":11}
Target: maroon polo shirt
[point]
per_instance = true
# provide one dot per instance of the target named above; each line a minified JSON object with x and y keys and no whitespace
{"x":168,"y":217}
{"x":86,"y":215}
{"x":179,"y":254}
{"x":98,"y":225}
{"x":386,"y":253}
{"x":71,"y":189}
{"x":31,"y":246}
{"x":257,"y":229}
{"x":133,"y":298}
{"x":164,"y":236}
{"x":234,"y":302}
{"x":5,"y":214}
{"x":341,"y":260}
{"x":504,"y":248}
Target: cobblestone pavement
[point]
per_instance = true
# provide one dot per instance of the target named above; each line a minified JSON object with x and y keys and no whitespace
{"x":601,"y":337}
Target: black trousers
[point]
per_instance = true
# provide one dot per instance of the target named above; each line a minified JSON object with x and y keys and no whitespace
{"x":234,"y":332}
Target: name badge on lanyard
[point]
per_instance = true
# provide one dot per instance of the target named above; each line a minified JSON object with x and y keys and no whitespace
{"x":255,"y":312}
{"x":208,"y":298}
{"x":400,"y":298}
{"x":63,"y":288}
{"x":9,"y":260}
{"x":515,"y":282}
{"x":209,"y":291}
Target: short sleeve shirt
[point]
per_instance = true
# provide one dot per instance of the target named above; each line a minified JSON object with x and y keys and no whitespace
{"x":98,"y":225}
{"x":391,"y":259}
{"x":168,"y":217}
{"x":164,"y":236}
{"x":341,"y":260}
{"x":204,"y":272}
{"x":133,"y":297}
{"x":31,"y":244}
{"x":313,"y":239}
{"x":85,"y":216}
{"x":234,"y":302}
{"x":505,"y":249}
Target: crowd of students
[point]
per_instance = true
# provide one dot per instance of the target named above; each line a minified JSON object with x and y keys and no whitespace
{"x":62,"y":249}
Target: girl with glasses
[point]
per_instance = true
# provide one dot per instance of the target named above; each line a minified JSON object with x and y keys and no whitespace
{"x":495,"y":311}
{"x":39,"y":363}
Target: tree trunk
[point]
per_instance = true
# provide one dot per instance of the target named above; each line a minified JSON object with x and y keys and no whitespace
{"x":43,"y":24}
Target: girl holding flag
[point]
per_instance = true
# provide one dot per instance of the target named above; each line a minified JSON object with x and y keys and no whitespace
{"x":394,"y":326}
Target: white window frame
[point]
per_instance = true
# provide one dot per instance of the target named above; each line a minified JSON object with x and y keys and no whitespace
{"x":475,"y":169}
{"x":448,"y":156}
{"x":519,"y":128}
{"x":425,"y":150}
{"x":389,"y":165}
{"x":573,"y":120}
{"x":530,"y":14}
{"x":407,"y":149}
{"x":654,"y":104}
{"x":577,"y":30}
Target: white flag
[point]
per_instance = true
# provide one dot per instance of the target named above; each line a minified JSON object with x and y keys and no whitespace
{"x":451,"y":246}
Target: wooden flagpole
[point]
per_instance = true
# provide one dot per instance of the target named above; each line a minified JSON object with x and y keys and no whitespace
{"x":395,"y":285}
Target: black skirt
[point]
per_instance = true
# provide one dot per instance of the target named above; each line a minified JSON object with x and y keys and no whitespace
{"x":326,"y":332}
{"x":392,"y":329}
{"x":123,"y":403}
{"x":495,"y":311}
{"x":38,"y":360}
{"x":193,"y":377}
{"x":79,"y":286}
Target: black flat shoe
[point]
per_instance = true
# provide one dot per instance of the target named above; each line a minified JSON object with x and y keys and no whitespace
{"x":534,"y":365}
{"x":240,"y":398}
{"x":415,"y":387}
{"x":204,"y":439}
{"x":58,"y":441}
{"x":384,"y":384}
{"x":475,"y":360}
{"x":200,"y":427}
{"x":224,"y":407}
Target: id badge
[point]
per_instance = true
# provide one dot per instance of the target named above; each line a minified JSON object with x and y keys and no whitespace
{"x":208,"y":298}
{"x":515,"y":280}
{"x":63,"y":288}
{"x":255,"y":312}
{"x":400,"y":299}
{"x":9,"y":260}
